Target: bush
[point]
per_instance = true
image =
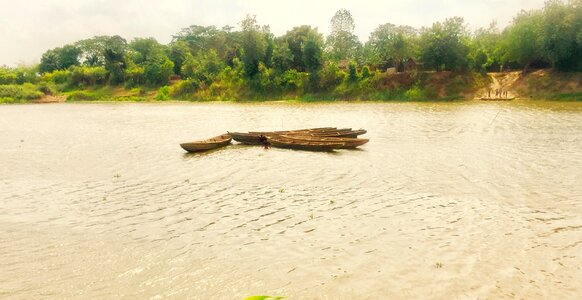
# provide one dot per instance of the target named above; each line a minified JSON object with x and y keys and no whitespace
{"x":184,"y":88}
{"x":7,"y":100}
{"x":331,"y":77}
{"x":57,"y":77}
{"x":163,"y":93}
{"x":7,"y":76}
{"x":25,"y":91}
{"x":87,"y":76}
{"x":415,"y":93}
{"x":83,"y":96}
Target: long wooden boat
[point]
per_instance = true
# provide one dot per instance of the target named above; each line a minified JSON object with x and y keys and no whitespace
{"x":282,"y":142}
{"x":212,"y":143}
{"x":247,"y":138}
{"x":304,"y":131}
{"x":497,"y":99}
{"x":349,"y":143}
{"x":340,"y":134}
{"x":258,"y":138}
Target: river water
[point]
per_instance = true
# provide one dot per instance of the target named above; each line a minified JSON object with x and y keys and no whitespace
{"x":448,"y":200}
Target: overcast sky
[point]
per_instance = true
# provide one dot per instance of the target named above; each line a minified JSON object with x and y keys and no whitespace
{"x":30,"y":27}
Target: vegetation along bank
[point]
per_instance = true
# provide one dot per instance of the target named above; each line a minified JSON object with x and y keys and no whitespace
{"x":446,"y":61}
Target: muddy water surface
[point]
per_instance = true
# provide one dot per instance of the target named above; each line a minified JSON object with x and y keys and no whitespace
{"x":466,"y":200}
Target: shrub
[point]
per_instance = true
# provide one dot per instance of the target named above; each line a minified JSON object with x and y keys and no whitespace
{"x":415,"y":93}
{"x":25,"y":91}
{"x":58,"y":77}
{"x":163,"y":93}
{"x":87,"y":76}
{"x":7,"y":76}
{"x":184,"y":88}
{"x":83,"y":96}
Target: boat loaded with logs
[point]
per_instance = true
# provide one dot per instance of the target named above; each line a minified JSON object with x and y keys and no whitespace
{"x":310,"y":139}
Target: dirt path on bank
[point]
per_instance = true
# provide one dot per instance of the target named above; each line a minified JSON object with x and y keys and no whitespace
{"x":500,"y":82}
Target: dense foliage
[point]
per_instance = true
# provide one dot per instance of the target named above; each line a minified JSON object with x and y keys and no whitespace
{"x":206,"y":62}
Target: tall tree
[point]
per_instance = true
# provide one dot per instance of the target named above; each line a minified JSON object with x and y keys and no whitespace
{"x":178,"y":53}
{"x":522,"y":41}
{"x":114,"y":54}
{"x":150,"y":55}
{"x":296,"y":39}
{"x":486,"y":49}
{"x":561,"y":34}
{"x":342,"y":43}
{"x":254,"y":45}
{"x":60,"y":58}
{"x":446,"y":45}
{"x":389,"y":41}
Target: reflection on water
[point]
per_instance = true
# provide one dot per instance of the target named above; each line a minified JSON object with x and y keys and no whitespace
{"x":476,"y":200}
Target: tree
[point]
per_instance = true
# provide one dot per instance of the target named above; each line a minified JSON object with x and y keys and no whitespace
{"x":203,"y":38}
{"x":60,"y":58}
{"x":150,"y":55}
{"x":342,"y":43}
{"x":312,"y":52}
{"x":254,"y":45}
{"x":522,"y":41}
{"x":389,"y":41}
{"x":178,"y":53}
{"x":561,"y":34}
{"x":203,"y":67}
{"x":485,"y":50}
{"x":282,"y":57}
{"x":114,"y":55}
{"x":445,"y":45}
{"x":296,"y":39}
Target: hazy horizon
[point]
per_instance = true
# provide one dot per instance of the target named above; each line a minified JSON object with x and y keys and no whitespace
{"x":29,"y":28}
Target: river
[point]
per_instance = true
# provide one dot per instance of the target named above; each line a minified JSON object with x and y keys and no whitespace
{"x":447,"y":200}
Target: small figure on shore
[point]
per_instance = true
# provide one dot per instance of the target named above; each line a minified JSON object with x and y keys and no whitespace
{"x":489,"y":93}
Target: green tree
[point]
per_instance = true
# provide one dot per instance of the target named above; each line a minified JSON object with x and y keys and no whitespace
{"x":204,"y":67}
{"x":446,"y":45}
{"x":178,"y":53}
{"x":342,"y":43}
{"x":150,"y":55}
{"x":485,"y":50}
{"x":296,"y":39}
{"x":114,"y":54}
{"x":282,"y":57}
{"x":389,"y":41}
{"x":522,"y":41}
{"x":561,"y":34}
{"x":254,"y":45}
{"x":60,"y":58}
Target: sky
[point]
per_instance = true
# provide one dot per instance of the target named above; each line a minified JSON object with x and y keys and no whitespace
{"x":30,"y":27}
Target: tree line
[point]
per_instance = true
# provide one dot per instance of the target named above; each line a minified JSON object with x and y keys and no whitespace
{"x":211,"y":58}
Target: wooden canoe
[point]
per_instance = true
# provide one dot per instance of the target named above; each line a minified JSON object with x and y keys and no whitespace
{"x":246,"y":138}
{"x":340,"y":134}
{"x":349,"y":143}
{"x":212,"y":143}
{"x":282,"y":142}
{"x":497,"y":99}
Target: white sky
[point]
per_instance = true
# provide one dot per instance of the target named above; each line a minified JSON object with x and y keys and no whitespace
{"x":30,"y":27}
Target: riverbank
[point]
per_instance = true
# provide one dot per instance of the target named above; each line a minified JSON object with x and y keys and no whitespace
{"x":545,"y":84}
{"x":413,"y":86}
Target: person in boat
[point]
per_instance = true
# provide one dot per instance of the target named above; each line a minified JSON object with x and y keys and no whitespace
{"x":264,"y":141}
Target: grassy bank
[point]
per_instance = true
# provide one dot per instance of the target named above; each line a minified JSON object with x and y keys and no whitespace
{"x":413,"y":86}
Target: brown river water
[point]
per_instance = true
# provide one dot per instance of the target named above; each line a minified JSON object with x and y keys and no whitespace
{"x":448,"y":200}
